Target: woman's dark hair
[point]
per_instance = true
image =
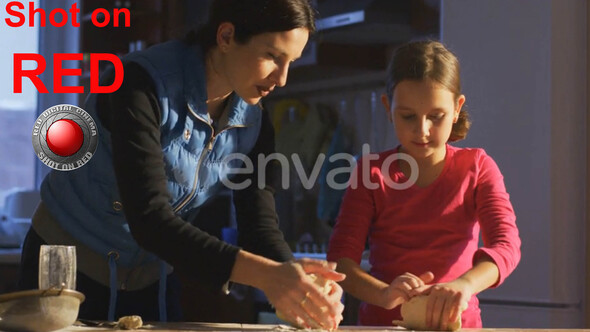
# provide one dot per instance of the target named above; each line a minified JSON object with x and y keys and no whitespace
{"x":253,"y":17}
{"x":421,"y":60}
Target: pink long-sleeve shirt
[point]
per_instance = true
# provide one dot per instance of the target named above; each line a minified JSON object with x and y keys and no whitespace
{"x":435,"y":228}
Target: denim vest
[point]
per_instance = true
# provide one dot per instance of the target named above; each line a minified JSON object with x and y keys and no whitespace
{"x":86,"y":202}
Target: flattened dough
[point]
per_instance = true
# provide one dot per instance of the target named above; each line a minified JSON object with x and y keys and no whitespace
{"x":414,"y":315}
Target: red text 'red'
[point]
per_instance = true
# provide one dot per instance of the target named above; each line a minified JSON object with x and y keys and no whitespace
{"x":59,"y":72}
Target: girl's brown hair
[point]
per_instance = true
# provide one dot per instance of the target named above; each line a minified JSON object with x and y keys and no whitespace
{"x":421,"y":60}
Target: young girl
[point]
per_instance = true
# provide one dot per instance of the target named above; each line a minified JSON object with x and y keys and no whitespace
{"x":424,"y":239}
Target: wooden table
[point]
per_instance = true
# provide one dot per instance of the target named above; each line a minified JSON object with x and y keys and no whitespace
{"x":225,"y":327}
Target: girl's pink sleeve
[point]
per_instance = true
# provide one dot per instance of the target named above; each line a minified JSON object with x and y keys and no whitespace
{"x":354,"y":219}
{"x":497,"y":219}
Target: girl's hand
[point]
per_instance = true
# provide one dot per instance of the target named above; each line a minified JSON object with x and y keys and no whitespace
{"x":301,"y":302}
{"x":446,"y":301}
{"x":405,"y":287}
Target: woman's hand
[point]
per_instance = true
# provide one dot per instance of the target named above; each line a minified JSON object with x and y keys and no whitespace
{"x":294,"y":294}
{"x":446,"y":301}
{"x":404,"y":287}
{"x":332,"y":290}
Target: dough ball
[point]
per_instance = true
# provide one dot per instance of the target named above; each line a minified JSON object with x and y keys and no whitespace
{"x":130,"y":322}
{"x":322,"y":283}
{"x":414,"y":315}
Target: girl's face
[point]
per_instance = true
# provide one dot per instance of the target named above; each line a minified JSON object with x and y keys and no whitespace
{"x":423,"y":113}
{"x":254,"y":69}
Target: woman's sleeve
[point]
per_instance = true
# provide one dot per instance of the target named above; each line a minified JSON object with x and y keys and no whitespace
{"x":497,"y":219}
{"x":357,"y":210}
{"x":132,"y":115}
{"x":258,"y":222}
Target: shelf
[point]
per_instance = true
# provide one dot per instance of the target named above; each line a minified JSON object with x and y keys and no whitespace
{"x":320,"y":79}
{"x":376,"y":21}
{"x":371,"y":33}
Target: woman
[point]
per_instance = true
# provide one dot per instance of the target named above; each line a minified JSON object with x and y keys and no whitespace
{"x":164,"y":135}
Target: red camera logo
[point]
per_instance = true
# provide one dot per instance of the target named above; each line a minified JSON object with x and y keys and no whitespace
{"x":65,"y":137}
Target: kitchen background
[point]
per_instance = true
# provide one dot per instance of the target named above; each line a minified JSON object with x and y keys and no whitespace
{"x":525,"y":74}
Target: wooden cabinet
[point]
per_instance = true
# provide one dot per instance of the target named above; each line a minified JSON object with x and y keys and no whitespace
{"x":129,"y":25}
{"x":148,"y":21}
{"x":341,"y":77}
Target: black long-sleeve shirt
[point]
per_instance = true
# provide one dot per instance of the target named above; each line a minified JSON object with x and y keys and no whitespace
{"x":132,"y":115}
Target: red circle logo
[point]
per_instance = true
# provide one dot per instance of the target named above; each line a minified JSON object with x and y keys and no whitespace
{"x":64,"y":137}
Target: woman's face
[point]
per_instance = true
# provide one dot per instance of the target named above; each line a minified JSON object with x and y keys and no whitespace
{"x":254,"y":69}
{"x":423,"y":113}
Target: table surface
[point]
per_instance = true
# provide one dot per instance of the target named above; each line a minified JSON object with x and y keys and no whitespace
{"x":224,"y":327}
